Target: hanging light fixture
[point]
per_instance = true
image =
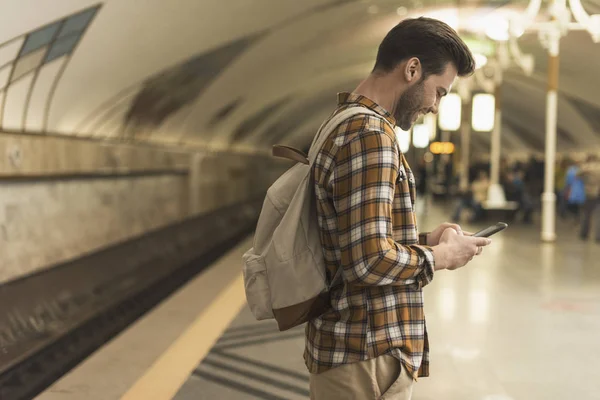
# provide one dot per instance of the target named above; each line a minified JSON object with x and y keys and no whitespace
{"x":403,"y":139}
{"x":421,"y":136}
{"x":480,"y":60}
{"x":449,"y":112}
{"x":484,"y":110}
{"x":431,"y":122}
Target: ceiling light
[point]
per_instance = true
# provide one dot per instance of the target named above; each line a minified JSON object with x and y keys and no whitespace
{"x":420,"y":136}
{"x":480,"y":60}
{"x":431,"y":121}
{"x":450,"y":112}
{"x":484,"y":111}
{"x":496,"y":28}
{"x":403,"y":139}
{"x":447,"y":15}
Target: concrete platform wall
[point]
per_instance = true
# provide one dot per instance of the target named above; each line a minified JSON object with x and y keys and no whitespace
{"x":63,"y":197}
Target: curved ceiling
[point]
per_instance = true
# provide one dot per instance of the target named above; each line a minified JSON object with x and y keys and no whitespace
{"x":246,"y":74}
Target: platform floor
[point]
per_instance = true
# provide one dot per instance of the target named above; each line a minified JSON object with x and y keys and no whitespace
{"x":522,"y":322}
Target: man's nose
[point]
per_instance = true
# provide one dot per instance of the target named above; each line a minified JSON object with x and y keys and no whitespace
{"x":435,"y":108}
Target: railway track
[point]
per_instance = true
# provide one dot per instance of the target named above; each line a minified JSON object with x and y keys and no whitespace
{"x":51,"y":321}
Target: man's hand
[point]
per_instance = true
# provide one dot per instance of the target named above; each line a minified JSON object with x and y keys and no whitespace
{"x":455,"y":251}
{"x":433,"y":238}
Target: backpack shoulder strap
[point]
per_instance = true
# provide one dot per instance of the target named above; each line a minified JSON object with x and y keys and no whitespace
{"x":323,"y":133}
{"x":329,"y":126}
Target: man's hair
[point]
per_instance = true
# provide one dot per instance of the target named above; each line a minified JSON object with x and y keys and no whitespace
{"x":433,"y":42}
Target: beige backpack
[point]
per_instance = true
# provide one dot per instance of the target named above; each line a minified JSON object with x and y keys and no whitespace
{"x":284,"y":271}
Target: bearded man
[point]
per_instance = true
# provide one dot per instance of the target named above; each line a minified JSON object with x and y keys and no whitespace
{"x":372,"y":342}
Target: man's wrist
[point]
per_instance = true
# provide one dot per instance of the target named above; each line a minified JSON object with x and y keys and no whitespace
{"x":424,"y":238}
{"x":439,"y":257}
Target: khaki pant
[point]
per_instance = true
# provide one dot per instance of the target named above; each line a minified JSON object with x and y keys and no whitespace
{"x":380,"y":378}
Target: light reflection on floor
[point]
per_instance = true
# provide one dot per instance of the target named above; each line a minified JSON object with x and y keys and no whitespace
{"x":521,"y":322}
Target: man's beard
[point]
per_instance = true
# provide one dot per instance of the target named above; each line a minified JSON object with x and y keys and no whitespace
{"x":409,"y":103}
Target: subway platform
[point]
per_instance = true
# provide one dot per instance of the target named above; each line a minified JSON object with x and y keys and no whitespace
{"x":520,"y":322}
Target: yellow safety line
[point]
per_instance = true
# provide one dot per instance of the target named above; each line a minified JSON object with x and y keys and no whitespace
{"x":164,"y":378}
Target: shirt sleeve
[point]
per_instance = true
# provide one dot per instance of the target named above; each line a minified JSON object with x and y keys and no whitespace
{"x":364,"y":180}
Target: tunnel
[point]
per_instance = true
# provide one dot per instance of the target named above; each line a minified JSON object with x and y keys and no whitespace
{"x":136,"y":151}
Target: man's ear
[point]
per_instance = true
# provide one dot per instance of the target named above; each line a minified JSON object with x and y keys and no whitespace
{"x":413,"y":70}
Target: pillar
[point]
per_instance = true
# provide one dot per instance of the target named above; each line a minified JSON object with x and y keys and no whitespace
{"x":496,"y":197}
{"x":444,"y":159}
{"x":465,"y":142}
{"x":497,"y":132}
{"x":548,"y":197}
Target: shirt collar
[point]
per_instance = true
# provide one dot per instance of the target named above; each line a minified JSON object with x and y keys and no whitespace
{"x":345,"y":98}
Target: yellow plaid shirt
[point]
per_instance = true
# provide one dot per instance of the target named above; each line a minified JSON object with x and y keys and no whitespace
{"x":365,"y":206}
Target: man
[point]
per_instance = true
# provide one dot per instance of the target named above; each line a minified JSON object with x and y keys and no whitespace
{"x":372,"y":342}
{"x":590,"y":173}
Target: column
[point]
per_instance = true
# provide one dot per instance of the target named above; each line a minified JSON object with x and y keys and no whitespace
{"x":496,"y":197}
{"x":497,"y":132}
{"x":465,"y":142}
{"x":548,"y":197}
{"x":444,"y":160}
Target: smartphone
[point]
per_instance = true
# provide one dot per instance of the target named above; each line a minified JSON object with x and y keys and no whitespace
{"x":487,"y":232}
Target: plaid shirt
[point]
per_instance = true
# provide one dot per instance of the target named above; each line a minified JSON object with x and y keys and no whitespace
{"x":365,"y":205}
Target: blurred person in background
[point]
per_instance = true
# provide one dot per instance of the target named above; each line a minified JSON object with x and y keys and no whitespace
{"x":474,"y":199}
{"x":533,"y":177}
{"x":590,"y":174}
{"x":560,"y":182}
{"x":516,"y":191}
{"x":574,"y":192}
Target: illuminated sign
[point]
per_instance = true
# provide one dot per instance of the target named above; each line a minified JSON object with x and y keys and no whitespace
{"x":441,"y":147}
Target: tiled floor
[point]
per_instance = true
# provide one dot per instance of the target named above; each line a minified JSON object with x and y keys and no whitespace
{"x":522,"y":322}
